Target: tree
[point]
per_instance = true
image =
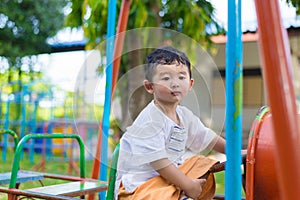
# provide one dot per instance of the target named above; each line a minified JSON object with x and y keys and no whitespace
{"x":296,"y":4}
{"x":192,"y":18}
{"x":25,"y":27}
{"x":189,"y":17}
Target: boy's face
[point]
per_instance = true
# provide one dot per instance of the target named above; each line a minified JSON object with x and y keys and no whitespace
{"x":170,"y":83}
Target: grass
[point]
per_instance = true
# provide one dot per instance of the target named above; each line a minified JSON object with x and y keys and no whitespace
{"x":220,"y":179}
{"x":220,"y":183}
{"x":62,"y":167}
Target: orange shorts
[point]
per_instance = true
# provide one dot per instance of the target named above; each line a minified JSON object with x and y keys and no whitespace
{"x":158,"y":188}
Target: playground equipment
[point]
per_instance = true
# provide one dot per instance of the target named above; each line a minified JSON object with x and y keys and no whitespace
{"x":23,"y":176}
{"x":114,"y":60}
{"x":282,"y":102}
{"x":78,"y":186}
{"x":234,"y":104}
{"x":66,"y":150}
{"x":261,"y":176}
{"x":12,"y":133}
{"x":281,"y":96}
{"x":114,"y":51}
{"x":282,"y":129}
{"x":32,"y":110}
{"x":20,"y":110}
{"x":85,"y":128}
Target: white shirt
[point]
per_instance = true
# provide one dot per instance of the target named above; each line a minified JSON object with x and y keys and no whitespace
{"x":154,"y":136}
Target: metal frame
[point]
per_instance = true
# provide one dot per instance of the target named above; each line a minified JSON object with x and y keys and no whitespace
{"x":85,"y":185}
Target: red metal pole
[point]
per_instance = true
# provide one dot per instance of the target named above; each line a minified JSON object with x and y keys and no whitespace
{"x":119,"y":41}
{"x":276,"y":63}
{"x":96,"y":163}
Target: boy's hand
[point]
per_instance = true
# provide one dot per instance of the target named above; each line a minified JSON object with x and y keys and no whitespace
{"x":195,"y":188}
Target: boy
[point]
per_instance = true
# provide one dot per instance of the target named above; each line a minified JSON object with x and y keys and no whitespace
{"x":152,"y":161}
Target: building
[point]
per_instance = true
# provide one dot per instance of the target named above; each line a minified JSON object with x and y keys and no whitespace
{"x":254,"y":91}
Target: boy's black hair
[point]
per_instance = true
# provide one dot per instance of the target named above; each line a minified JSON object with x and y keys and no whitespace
{"x":165,"y":56}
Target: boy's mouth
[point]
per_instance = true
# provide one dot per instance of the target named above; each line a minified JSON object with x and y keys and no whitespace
{"x":175,"y":93}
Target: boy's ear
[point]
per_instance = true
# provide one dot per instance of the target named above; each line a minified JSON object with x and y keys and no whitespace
{"x":148,"y":86}
{"x":191,"y":83}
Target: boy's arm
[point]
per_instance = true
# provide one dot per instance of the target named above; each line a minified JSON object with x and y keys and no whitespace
{"x":219,"y":144}
{"x":172,"y":174}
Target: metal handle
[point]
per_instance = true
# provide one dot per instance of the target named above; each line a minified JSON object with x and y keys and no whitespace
{"x":12,"y":133}
{"x":20,"y":145}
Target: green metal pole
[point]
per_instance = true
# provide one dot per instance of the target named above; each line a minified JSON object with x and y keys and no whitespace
{"x":12,"y":133}
{"x":19,"y":148}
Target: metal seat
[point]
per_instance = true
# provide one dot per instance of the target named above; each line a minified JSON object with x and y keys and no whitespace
{"x":261,"y":175}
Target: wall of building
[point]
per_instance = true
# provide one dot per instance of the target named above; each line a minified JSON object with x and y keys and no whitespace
{"x":254,"y":92}
{"x":295,"y":53}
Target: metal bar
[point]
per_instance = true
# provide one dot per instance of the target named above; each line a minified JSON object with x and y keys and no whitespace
{"x":69,"y":178}
{"x":33,"y":128}
{"x":20,"y":145}
{"x":71,"y":189}
{"x":122,"y":24}
{"x":6,"y":125}
{"x":119,"y":41}
{"x":23,"y":111}
{"x":233,"y":122}
{"x":276,"y":63}
{"x":12,"y":193}
{"x":103,"y":135}
{"x":252,"y":146}
{"x":12,"y":133}
{"x":112,"y":7}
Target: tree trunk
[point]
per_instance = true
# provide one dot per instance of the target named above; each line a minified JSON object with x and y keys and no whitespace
{"x":135,"y":98}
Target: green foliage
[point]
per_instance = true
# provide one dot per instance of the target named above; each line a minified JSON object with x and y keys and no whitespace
{"x":193,"y":18}
{"x":26,"y":25}
{"x":296,"y":4}
{"x":91,"y":15}
{"x":190,"y":17}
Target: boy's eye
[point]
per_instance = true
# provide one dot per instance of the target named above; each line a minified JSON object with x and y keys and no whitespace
{"x":181,"y":77}
{"x":165,"y":78}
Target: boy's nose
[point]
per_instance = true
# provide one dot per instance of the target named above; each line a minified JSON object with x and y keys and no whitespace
{"x":174,"y":83}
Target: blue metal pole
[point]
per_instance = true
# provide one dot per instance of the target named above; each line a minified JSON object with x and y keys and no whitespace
{"x":23,"y":113}
{"x":6,"y":126}
{"x":112,"y":7}
{"x":33,"y":130}
{"x":233,"y":122}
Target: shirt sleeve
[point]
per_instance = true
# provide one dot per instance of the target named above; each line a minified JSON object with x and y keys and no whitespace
{"x":199,"y":136}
